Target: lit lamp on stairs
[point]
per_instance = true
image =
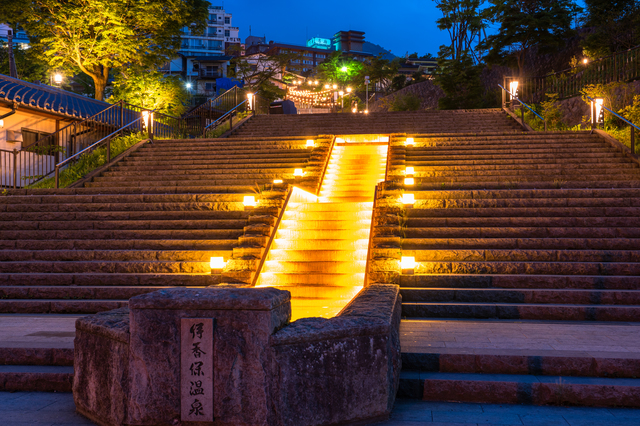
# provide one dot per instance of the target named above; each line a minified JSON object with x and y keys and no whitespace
{"x":249,"y":201}
{"x":297,"y":173}
{"x":250,"y":101}
{"x":409,"y":142}
{"x":147,"y":118}
{"x":597,"y":112}
{"x":310,"y":143}
{"x":408,"y":264}
{"x":216,"y":264}
{"x":408,"y":176}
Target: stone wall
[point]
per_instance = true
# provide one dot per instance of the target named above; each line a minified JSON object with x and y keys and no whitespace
{"x":313,"y":371}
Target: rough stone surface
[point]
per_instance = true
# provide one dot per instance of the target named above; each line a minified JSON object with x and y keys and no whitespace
{"x":266,"y":372}
{"x":241,"y":342}
{"x":344,"y":368}
{"x":101,"y":366}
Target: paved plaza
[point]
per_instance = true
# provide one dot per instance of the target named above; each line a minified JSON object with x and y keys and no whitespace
{"x":57,"y":409}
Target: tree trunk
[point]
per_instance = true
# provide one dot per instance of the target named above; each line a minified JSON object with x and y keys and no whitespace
{"x":101,"y":84}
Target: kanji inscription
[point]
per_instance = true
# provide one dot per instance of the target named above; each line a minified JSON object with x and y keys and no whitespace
{"x":196,"y":369}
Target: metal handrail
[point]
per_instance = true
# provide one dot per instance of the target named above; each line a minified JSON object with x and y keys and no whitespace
{"x":90,"y":147}
{"x":326,"y":164}
{"x":209,"y":101}
{"x":204,"y":131}
{"x":369,"y":248}
{"x":593,"y":61}
{"x":263,"y":258}
{"x":616,"y":114}
{"x":521,"y":103}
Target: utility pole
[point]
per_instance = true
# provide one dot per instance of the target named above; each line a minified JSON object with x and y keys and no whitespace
{"x":13,"y":72}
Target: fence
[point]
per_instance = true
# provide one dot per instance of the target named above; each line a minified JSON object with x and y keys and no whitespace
{"x":622,"y":66}
{"x":204,"y":115}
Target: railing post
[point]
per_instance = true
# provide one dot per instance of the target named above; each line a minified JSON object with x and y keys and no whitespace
{"x":633,"y":139}
{"x":121,"y":114}
{"x":57,"y":176}
{"x":15,"y":167}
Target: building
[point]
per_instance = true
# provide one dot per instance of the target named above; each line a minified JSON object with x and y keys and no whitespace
{"x":310,"y":57}
{"x":204,"y":58}
{"x":350,"y":43}
{"x":20,"y":38}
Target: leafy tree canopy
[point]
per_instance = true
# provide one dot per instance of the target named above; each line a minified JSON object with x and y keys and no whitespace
{"x":341,"y":70}
{"x":526,"y":23}
{"x":615,"y":26}
{"x":152,"y":90}
{"x":28,"y":63}
{"x":95,"y":36}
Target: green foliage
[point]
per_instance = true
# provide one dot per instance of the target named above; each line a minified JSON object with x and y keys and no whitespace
{"x":551,"y":112}
{"x":463,"y":21}
{"x":615,"y":26}
{"x":332,"y":70}
{"x":224,"y":127}
{"x":29,"y":63}
{"x":398,"y":82}
{"x":90,"y":161}
{"x":95,"y":36}
{"x":405,"y":102}
{"x":460,"y":81}
{"x":526,"y":23}
{"x":380,"y":71}
{"x":152,"y":90}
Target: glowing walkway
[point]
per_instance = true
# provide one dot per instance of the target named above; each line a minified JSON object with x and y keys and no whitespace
{"x":320,"y":250}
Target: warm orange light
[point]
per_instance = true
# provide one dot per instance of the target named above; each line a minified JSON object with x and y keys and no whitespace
{"x":217,"y":263}
{"x":366,"y":111}
{"x":408,"y":199}
{"x":298,"y":173}
{"x":585,"y":61}
{"x":409,"y":171}
{"x":409,"y":181}
{"x":249,"y":201}
{"x":408,"y":262}
{"x":409,"y":142}
{"x":277,"y":181}
{"x":310,"y":143}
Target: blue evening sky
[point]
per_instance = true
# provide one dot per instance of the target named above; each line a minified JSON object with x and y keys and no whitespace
{"x":398,"y":26}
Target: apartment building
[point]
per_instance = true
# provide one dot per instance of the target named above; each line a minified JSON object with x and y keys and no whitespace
{"x":205,"y":58}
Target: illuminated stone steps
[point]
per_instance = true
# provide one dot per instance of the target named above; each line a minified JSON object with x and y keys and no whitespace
{"x":320,"y":249}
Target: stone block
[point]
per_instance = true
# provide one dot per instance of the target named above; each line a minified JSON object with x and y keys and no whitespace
{"x":245,"y":320}
{"x":101,"y":366}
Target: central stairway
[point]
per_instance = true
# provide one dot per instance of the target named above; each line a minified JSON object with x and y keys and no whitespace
{"x":320,"y":250}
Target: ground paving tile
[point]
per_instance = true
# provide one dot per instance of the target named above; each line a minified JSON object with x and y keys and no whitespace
{"x":37,"y":331}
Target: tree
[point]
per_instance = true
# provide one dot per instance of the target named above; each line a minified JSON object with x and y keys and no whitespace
{"x":152,"y":90}
{"x":464,"y":22}
{"x":28,"y":63}
{"x":527,"y":23}
{"x":381,"y":71}
{"x":341,"y":70}
{"x":95,"y":36}
{"x":264,"y":74}
{"x":460,"y":81}
{"x":615,"y":26}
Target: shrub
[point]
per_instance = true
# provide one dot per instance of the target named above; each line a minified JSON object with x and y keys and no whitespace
{"x":405,"y":102}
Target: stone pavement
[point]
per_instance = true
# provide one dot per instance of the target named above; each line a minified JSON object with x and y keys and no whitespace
{"x":414,"y":413}
{"x":37,"y":331}
{"x":57,"y":409}
{"x":477,"y":335}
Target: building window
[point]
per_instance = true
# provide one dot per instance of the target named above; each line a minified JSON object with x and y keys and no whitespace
{"x":227,"y":33}
{"x":213,"y":17}
{"x":209,"y":87}
{"x":320,"y":56}
{"x":227,"y":20}
{"x":29,"y":138}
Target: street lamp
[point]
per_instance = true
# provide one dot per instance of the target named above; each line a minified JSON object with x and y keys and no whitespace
{"x":348,"y":89}
{"x":57,"y":78}
{"x":344,"y":69}
{"x":341,"y":93}
{"x":513,"y":88}
{"x":585,"y":61}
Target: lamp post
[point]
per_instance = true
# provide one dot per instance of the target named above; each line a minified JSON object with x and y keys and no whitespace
{"x":597,"y":112}
{"x":57,"y":79}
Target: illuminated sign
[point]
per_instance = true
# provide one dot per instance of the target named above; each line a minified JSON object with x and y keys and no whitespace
{"x":319,"y":43}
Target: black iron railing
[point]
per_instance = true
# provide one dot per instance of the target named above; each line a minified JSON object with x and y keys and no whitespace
{"x":621,"y":66}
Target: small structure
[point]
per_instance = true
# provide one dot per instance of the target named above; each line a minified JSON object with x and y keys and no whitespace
{"x":230,"y":356}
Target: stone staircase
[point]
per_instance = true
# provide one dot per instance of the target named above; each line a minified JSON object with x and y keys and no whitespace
{"x":378,"y":123}
{"x":320,"y":250}
{"x":153,"y":220}
{"x":540,"y":228}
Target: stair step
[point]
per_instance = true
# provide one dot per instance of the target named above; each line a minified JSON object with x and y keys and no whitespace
{"x":520,"y":389}
{"x":528,"y":311}
{"x":35,"y":378}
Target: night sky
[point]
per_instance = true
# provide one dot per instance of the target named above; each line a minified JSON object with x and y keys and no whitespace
{"x":398,"y":26}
